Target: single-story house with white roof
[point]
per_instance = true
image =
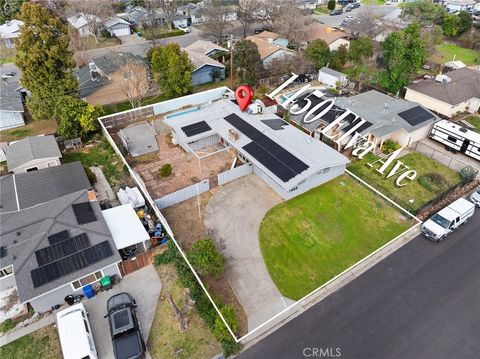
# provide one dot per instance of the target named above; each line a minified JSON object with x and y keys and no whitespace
{"x":83,"y":23}
{"x":331,"y":77}
{"x":117,"y":27}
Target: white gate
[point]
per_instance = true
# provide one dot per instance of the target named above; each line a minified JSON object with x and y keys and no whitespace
{"x":183,"y":194}
{"x":235,"y":173}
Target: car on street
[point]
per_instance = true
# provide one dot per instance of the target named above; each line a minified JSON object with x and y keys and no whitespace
{"x":8,"y":75}
{"x":344,"y":23}
{"x":348,"y":8}
{"x":475,"y":197}
{"x":355,"y":5}
{"x":349,"y":17}
{"x":124,"y":327}
{"x":184,"y":28}
{"x":388,"y":2}
{"x":336,"y":12}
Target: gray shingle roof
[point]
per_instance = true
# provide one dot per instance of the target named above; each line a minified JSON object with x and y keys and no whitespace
{"x":113,"y":61}
{"x":465,"y":85}
{"x":10,"y":96}
{"x":31,"y":148}
{"x":26,"y":231}
{"x":89,"y":82}
{"x":32,"y":188}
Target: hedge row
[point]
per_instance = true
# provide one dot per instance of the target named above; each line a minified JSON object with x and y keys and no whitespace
{"x":203,"y":305}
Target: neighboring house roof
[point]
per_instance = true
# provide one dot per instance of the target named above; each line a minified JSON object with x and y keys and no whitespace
{"x":11,"y":29}
{"x":31,"y":188}
{"x":317,"y":31}
{"x":199,"y":60}
{"x":178,"y":16}
{"x":90,"y":81}
{"x":332,"y":72}
{"x":265,"y":48}
{"x":464,"y":85}
{"x":140,"y":14}
{"x":10,"y":96}
{"x":114,"y":61}
{"x":39,"y":263}
{"x":29,"y":149}
{"x":80,"y":20}
{"x":112,"y":21}
{"x":267,"y":35}
{"x":204,"y":47}
{"x":379,"y":110}
{"x":455,"y":64}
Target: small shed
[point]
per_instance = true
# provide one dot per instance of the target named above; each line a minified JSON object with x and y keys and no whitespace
{"x":331,"y":77}
{"x":125,"y":227}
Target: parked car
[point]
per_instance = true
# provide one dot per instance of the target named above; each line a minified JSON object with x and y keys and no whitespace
{"x":448,"y":219}
{"x":9,"y":75}
{"x":75,"y":333}
{"x":344,"y":23}
{"x":124,"y":328}
{"x":336,"y":12}
{"x":184,"y":28}
{"x":355,"y":5}
{"x":388,"y":2}
{"x":475,"y":197}
{"x":349,"y":17}
{"x":348,"y":8}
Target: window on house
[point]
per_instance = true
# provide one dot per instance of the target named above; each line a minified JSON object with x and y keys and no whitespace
{"x":6,"y":271}
{"x":86,"y":326}
{"x":89,"y":279}
{"x":293,"y":189}
{"x":31,"y":169}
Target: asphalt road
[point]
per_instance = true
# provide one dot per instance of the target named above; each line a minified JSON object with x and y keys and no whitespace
{"x":381,"y":11}
{"x":421,"y":302}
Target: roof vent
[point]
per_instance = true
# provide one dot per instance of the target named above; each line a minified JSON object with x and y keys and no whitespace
{"x":19,"y":233}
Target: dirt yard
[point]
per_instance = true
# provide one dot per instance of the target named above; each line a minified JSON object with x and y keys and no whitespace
{"x":187,"y":233}
{"x":185,"y":168}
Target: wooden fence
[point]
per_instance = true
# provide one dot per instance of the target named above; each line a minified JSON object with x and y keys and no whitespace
{"x":143,"y":259}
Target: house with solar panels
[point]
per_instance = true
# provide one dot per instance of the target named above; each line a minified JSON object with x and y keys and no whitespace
{"x":385,"y":117}
{"x":55,"y":239}
{"x":287,"y":159}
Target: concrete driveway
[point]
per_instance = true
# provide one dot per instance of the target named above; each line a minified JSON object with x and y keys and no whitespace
{"x":232,"y":218}
{"x":144,"y":285}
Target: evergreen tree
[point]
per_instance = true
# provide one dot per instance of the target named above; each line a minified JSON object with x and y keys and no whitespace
{"x":360,"y":49}
{"x":331,"y":4}
{"x":318,"y":52}
{"x":247,"y":61}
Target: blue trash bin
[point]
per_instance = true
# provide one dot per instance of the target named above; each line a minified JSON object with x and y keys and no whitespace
{"x":88,"y":291}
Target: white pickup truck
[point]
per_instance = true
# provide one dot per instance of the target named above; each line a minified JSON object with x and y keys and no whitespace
{"x":447,"y":219}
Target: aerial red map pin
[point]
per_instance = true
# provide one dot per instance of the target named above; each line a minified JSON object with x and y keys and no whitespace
{"x":244,"y":95}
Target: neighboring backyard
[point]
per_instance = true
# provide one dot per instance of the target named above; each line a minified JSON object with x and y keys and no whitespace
{"x":165,"y":339}
{"x":447,"y":52}
{"x":309,"y":239}
{"x":42,"y":344}
{"x":32,"y":128}
{"x":433,"y":179}
{"x":475,"y":122}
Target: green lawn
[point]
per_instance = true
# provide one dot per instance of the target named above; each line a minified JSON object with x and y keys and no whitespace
{"x":309,"y":239}
{"x":447,"y":52}
{"x":125,"y":106}
{"x":475,"y":121}
{"x":373,"y":2}
{"x":321,"y":10}
{"x":101,"y":154}
{"x":433,"y":179}
{"x":42,"y":344}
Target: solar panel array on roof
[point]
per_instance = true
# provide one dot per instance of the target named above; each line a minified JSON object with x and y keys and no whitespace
{"x":416,"y":115}
{"x":275,"y":123}
{"x":71,"y":263}
{"x":62,"y":249}
{"x":278,"y":160}
{"x":84,"y":212}
{"x":58,"y":237}
{"x":196,"y":128}
{"x":3,"y":252}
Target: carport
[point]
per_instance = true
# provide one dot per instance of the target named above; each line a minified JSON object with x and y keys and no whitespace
{"x":139,"y":138}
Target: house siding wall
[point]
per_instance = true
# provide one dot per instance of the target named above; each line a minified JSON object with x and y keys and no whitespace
{"x":119,"y":30}
{"x":203,"y":75}
{"x":46,"y":301}
{"x":276,"y":55}
{"x":434,"y":104}
{"x":337,"y":43}
{"x":404,"y":138}
{"x":40,"y":163}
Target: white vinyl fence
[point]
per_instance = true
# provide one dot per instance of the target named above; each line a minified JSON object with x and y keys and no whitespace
{"x":235,"y":173}
{"x":182,"y":194}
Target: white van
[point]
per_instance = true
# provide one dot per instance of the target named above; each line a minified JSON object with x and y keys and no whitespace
{"x":447,"y":219}
{"x":75,"y":333}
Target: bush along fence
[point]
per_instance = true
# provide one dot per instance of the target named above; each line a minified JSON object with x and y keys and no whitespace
{"x":467,"y":174}
{"x":203,"y":305}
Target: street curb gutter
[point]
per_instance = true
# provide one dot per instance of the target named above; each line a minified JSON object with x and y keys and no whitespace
{"x":331,"y":286}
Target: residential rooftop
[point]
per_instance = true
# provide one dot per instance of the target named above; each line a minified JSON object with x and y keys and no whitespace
{"x":29,"y":149}
{"x":10,"y":95}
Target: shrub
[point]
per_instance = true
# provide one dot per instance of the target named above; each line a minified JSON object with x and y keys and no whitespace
{"x":206,"y":259}
{"x":390,"y":146}
{"x":468,"y":174}
{"x":166,"y":170}
{"x":434,"y":182}
{"x":220,"y":330}
{"x":7,"y":325}
{"x":331,"y":4}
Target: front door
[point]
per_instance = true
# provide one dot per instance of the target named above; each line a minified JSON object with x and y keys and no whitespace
{"x":465,"y":145}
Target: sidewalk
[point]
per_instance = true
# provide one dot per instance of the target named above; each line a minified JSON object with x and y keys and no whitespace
{"x":18,"y":333}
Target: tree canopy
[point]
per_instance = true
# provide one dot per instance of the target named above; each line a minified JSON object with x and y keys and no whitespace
{"x":172,"y":69}
{"x":247,"y":60}
{"x":424,"y":12}
{"x":75,"y":117}
{"x":9,"y":9}
{"x":44,"y":58}
{"x":360,"y":49}
{"x":404,"y":52}
{"x":318,"y":52}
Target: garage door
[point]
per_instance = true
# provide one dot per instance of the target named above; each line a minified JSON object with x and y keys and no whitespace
{"x":124,"y":31}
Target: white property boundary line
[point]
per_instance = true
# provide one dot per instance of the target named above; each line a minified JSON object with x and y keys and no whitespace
{"x":164,"y":222}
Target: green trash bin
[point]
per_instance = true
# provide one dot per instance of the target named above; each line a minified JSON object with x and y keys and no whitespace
{"x":106,"y":282}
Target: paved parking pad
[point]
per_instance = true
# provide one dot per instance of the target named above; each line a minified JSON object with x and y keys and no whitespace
{"x":144,"y":285}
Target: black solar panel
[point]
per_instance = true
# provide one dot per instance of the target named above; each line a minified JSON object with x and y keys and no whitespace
{"x":58,"y":237}
{"x":273,"y":156}
{"x":196,"y":128}
{"x":416,"y":115}
{"x":71,"y":263}
{"x":275,"y":123}
{"x":62,"y":249}
{"x":3,"y":252}
{"x":84,"y":212}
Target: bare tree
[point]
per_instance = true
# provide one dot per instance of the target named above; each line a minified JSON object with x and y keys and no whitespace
{"x":136,"y":83}
{"x":95,"y":11}
{"x":181,"y":315}
{"x":216,"y":13}
{"x":293,"y":24}
{"x":270,"y":11}
{"x":168,"y":8}
{"x":246,"y":14}
{"x":286,"y":65}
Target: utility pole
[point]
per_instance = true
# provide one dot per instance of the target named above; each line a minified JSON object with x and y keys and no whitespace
{"x":230,"y":46}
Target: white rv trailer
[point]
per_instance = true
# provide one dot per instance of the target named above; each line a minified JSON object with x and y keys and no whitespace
{"x":457,"y":138}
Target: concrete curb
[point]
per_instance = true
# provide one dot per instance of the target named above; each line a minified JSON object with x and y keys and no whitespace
{"x":335,"y":284}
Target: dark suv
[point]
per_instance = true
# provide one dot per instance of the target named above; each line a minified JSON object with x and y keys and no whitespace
{"x":336,"y":12}
{"x":126,"y":335}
